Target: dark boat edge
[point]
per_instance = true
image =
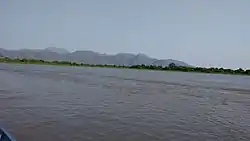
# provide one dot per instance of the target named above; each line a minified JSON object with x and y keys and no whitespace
{"x":5,"y":136}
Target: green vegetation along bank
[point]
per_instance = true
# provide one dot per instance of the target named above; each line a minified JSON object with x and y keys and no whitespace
{"x":171,"y":67}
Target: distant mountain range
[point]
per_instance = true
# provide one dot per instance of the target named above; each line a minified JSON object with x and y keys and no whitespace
{"x":88,"y":57}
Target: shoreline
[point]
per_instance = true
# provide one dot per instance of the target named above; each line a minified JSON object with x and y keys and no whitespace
{"x":171,"y":67}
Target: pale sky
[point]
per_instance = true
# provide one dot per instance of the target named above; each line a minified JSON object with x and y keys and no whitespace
{"x":199,"y":32}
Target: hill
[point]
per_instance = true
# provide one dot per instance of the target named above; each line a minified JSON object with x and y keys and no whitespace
{"x":89,"y":57}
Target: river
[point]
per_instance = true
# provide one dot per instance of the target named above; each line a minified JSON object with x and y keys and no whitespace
{"x":39,"y":103}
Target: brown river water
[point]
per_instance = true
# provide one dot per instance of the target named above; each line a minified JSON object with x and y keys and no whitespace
{"x":49,"y":103}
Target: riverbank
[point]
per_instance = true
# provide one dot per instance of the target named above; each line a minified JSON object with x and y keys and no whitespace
{"x":171,"y":67}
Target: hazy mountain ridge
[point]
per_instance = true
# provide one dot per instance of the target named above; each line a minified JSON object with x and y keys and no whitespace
{"x":57,"y":50}
{"x":89,"y":57}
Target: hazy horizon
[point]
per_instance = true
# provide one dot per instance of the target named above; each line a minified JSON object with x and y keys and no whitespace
{"x":199,"y":32}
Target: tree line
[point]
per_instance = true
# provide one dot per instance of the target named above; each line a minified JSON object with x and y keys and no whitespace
{"x":170,"y":67}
